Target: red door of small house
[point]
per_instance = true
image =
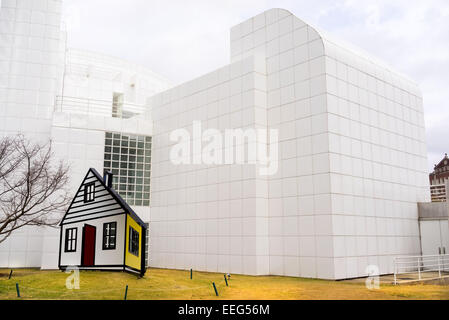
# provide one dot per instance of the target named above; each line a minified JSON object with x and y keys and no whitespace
{"x":88,"y":255}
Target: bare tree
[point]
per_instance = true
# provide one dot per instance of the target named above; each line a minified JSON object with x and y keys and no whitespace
{"x":32,"y":185}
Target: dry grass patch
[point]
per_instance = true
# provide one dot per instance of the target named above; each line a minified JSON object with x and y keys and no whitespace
{"x":175,"y":284}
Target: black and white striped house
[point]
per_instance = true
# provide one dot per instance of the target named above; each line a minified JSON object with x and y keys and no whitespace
{"x":100,"y":231}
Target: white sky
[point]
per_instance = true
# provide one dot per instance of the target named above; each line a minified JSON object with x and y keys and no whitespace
{"x":182,"y":39}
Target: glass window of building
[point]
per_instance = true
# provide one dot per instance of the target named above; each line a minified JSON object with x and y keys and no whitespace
{"x":128,"y":157}
{"x":117,"y":105}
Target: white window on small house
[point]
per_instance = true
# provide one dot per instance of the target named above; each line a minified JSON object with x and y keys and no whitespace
{"x":70,"y":239}
{"x":89,"y":192}
{"x":109,"y":235}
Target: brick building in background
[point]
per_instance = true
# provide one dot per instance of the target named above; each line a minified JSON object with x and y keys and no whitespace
{"x":439,"y":180}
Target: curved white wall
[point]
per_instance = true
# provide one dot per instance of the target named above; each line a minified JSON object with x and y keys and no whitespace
{"x":91,"y":79}
{"x":356,"y":130}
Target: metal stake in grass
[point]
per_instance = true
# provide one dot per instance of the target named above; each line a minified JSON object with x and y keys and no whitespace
{"x":191,"y":274}
{"x":226,"y":280}
{"x":18,"y":291}
{"x":10,"y":275}
{"x":126,"y":292}
{"x":215,"y":288}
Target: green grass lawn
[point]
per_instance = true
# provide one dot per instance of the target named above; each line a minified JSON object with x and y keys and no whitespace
{"x":174,"y":284}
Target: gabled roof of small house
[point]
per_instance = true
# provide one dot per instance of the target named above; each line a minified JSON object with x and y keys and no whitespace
{"x":114,"y":194}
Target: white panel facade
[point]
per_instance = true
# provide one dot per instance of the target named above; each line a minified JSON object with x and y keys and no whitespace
{"x":210,"y":217}
{"x":435,"y":236}
{"x":378,"y":161}
{"x":300,"y":229}
{"x":23,"y":249}
{"x":360,"y":155}
{"x":352,"y":160}
{"x":30,"y":57}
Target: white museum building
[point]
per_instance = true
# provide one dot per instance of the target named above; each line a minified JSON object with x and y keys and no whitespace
{"x":351,"y":163}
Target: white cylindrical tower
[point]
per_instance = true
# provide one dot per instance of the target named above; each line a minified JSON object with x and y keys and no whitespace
{"x":30,"y":57}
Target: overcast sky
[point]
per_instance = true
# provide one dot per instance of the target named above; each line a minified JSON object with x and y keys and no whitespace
{"x":182,"y":39}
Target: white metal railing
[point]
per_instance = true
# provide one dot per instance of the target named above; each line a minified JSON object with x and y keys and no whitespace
{"x":94,"y":107}
{"x":417,"y":268}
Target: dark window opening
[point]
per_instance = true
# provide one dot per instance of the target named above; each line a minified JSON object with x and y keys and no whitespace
{"x":133,"y":242}
{"x":89,"y":192}
{"x":70,"y":239}
{"x":109,"y":235}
